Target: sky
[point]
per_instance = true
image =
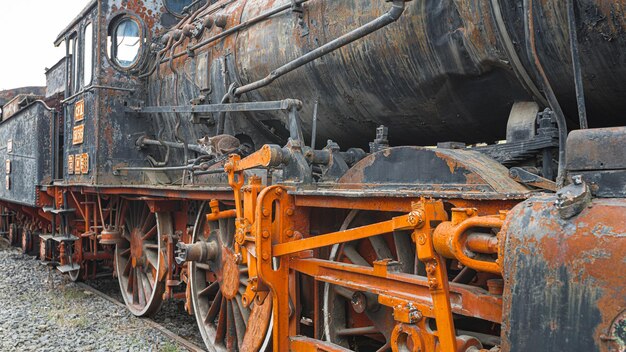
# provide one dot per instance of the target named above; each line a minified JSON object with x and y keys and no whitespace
{"x":28,"y":29}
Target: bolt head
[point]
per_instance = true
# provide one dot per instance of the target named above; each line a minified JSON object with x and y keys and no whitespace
{"x":421,"y":239}
{"x":265,"y":255}
{"x":289,"y":211}
{"x":265,"y":234}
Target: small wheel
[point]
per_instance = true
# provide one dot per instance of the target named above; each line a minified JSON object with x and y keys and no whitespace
{"x":27,"y":236}
{"x":75,"y":274}
{"x":138,"y":258}
{"x":216,"y":293}
{"x":43,"y":249}
{"x":13,"y":234}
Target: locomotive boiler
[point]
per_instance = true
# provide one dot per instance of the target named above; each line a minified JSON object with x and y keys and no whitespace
{"x":312,"y":175}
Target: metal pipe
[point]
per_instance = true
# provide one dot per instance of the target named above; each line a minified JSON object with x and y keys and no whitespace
{"x":531,"y":48}
{"x":389,"y":17}
{"x":578,"y":77}
{"x":483,"y":338}
{"x":164,"y":168}
{"x":143,"y":141}
{"x":95,"y":86}
{"x":482,"y":243}
{"x":236,"y":28}
{"x":314,"y":124}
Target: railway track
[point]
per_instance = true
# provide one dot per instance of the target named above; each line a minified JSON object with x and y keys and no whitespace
{"x":54,"y":310}
{"x":189,"y":345}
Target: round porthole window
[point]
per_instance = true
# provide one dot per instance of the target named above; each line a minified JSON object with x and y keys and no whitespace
{"x":177,"y":7}
{"x":126,"y":42}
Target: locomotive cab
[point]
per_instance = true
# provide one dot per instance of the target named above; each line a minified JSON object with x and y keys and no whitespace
{"x":106,"y":45}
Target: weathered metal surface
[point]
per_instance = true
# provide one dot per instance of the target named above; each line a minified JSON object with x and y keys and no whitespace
{"x":564,"y":279}
{"x":596,"y":149}
{"x":8,"y":94}
{"x":25,"y":154}
{"x":19,"y":102}
{"x":413,"y":171}
{"x":598,"y":157}
{"x":55,"y":78}
{"x":446,"y":47}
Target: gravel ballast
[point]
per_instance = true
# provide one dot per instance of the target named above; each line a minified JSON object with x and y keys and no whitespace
{"x":42,"y":310}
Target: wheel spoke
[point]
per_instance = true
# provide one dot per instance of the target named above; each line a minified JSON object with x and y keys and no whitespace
{"x":350,"y":252}
{"x":220,"y":332}
{"x":147,"y":288}
{"x":403,"y":244}
{"x":209,"y":289}
{"x":127,"y":268}
{"x":380,"y":247}
{"x":231,"y":327}
{"x":343,"y":292}
{"x":214,"y":309}
{"x":357,"y":331}
{"x":134,"y":288}
{"x":143,"y":219}
{"x":125,"y":253}
{"x":151,"y":245}
{"x":141,"y":294}
{"x":240,"y":326}
{"x":152,"y":258}
{"x":243,"y":311}
{"x":150,"y":233}
{"x":150,"y":279}
{"x":129,"y":284}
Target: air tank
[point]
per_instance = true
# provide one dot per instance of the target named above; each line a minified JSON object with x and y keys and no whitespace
{"x":447,"y":70}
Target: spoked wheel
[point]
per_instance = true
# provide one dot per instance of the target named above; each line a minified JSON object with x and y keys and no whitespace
{"x":354,"y":319}
{"x":216,"y":291}
{"x":138,"y":259}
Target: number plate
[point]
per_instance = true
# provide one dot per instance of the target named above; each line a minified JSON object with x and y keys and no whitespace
{"x":79,"y":110}
{"x":77,"y":135}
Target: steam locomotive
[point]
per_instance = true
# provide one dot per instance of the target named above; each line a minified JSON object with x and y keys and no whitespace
{"x":313,"y":175}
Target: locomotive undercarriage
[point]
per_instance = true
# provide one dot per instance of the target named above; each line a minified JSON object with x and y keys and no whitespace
{"x":321,"y":259}
{"x":285,"y":246}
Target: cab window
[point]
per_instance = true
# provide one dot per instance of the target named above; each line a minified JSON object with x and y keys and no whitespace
{"x":88,"y":55}
{"x":125,"y":42}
